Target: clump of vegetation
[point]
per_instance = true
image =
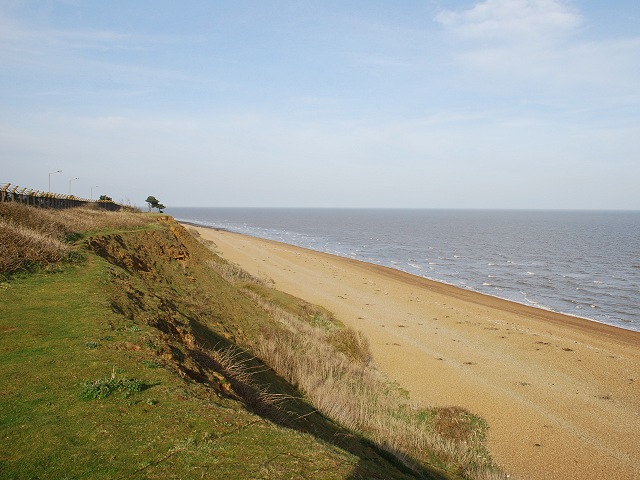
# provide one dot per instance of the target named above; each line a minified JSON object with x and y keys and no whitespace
{"x":34,"y":237}
{"x":232,"y":273}
{"x":104,"y":387}
{"x":23,"y":248}
{"x":352,"y":344}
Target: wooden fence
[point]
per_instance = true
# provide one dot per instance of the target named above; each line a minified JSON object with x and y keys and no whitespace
{"x":36,"y":198}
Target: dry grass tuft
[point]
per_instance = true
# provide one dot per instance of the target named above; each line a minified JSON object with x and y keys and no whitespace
{"x":232,"y":273}
{"x":22,"y":248}
{"x":351,"y":343}
{"x":235,"y":366}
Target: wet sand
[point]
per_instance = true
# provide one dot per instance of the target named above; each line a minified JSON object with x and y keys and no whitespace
{"x":561,"y":394}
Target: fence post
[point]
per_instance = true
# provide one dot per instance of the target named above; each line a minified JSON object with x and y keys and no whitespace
{"x":13,"y":193}
{"x":3,"y":192}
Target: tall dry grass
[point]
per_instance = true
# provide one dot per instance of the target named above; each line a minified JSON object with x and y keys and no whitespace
{"x":331,"y":367}
{"x":234,"y":274}
{"x":32,"y":236}
{"x":22,"y":247}
{"x":234,"y":365}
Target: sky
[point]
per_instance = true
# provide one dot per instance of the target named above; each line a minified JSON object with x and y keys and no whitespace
{"x":531,"y":104}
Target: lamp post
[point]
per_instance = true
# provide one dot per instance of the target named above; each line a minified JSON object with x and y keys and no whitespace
{"x":57,"y":171}
{"x":97,"y":186}
{"x":71,"y":180}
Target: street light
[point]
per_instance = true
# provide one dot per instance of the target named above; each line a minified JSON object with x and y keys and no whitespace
{"x":71,"y":180}
{"x":57,"y":171}
{"x":97,"y":186}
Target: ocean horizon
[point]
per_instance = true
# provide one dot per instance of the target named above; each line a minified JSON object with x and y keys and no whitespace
{"x":577,"y":262}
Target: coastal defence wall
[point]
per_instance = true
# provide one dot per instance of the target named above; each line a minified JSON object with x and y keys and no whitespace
{"x":37,"y":198}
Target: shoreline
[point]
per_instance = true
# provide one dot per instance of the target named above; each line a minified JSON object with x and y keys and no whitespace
{"x":537,"y":309}
{"x":560,"y":393}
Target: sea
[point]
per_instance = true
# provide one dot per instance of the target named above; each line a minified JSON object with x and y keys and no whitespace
{"x":581,"y":263}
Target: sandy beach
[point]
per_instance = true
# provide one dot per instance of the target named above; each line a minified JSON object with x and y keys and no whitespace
{"x":561,"y":394}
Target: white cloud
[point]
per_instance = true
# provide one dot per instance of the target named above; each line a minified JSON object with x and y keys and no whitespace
{"x":513,"y":19}
{"x":541,"y":46}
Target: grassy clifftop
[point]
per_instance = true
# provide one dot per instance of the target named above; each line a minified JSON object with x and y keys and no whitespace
{"x":145,"y":355}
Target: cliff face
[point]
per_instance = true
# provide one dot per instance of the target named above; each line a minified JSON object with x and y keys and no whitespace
{"x":148,"y":252}
{"x":163,"y":278}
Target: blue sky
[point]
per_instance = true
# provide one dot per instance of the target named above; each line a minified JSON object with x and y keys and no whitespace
{"x":421,"y":104}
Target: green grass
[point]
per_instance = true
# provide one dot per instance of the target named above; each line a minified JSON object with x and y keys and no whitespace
{"x":58,"y":332}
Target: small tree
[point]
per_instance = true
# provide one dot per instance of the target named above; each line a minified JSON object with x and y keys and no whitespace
{"x":153,"y":202}
{"x":106,"y":198}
